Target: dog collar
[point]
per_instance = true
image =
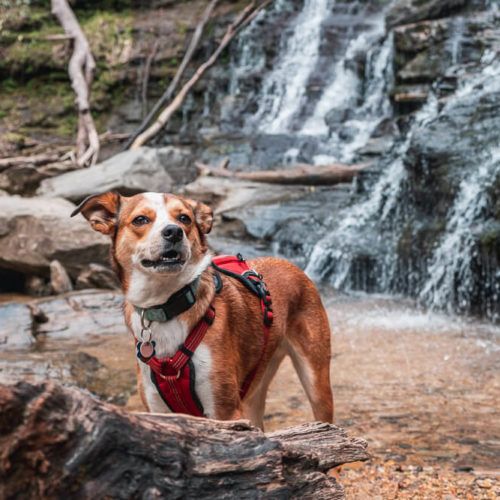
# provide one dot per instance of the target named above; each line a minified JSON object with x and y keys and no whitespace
{"x":180,"y":301}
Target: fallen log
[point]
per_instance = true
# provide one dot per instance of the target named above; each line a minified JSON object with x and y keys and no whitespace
{"x":310,"y":175}
{"x":58,"y":442}
{"x":39,"y":159}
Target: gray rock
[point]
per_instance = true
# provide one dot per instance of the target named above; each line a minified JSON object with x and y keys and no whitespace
{"x":59,"y":279}
{"x":16,"y":327}
{"x":411,"y":11}
{"x":80,"y":314}
{"x":97,"y":276}
{"x":36,"y":231}
{"x":130,"y":172}
{"x":259,"y":219}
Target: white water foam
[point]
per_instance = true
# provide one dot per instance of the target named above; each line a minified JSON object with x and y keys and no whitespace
{"x":284,"y":87}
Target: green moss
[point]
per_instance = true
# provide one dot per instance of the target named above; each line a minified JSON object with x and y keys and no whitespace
{"x":490,"y":238}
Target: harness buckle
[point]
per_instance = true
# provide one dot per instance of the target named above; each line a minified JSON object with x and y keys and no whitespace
{"x":145,"y":328}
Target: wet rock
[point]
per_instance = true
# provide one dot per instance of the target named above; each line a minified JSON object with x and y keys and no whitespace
{"x":36,"y":231}
{"x":411,"y":11}
{"x":258,"y":218}
{"x":59,"y":279}
{"x":49,"y":339}
{"x":97,"y":276}
{"x":130,"y":172}
{"x":336,"y":116}
{"x":79,"y":314}
{"x":16,"y":326}
{"x":74,"y":316}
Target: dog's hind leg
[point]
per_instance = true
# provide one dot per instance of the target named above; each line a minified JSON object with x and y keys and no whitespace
{"x":254,"y":404}
{"x":309,"y":348}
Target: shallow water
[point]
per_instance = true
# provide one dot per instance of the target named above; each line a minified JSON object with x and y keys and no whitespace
{"x":422,"y":388}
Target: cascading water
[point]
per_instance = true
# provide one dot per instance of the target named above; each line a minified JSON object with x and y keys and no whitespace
{"x":333,"y":256}
{"x":330,"y":102}
{"x":362,"y":251}
{"x":315,"y":102}
{"x":283,"y":90}
{"x":450,"y":273}
{"x":342,"y":97}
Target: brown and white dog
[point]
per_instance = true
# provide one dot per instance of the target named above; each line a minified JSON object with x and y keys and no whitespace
{"x":159,"y":246}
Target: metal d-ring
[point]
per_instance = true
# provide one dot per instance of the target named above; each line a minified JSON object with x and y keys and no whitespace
{"x":145,"y":327}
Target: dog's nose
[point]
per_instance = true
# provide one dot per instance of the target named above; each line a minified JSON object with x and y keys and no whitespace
{"x":172,"y":233}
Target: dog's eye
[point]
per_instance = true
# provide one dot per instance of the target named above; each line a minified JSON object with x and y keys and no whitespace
{"x":140,"y":220}
{"x":184,"y":219}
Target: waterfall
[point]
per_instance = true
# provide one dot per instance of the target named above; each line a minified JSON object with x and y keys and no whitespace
{"x":361,"y":251}
{"x":284,"y":87}
{"x":345,"y":91}
{"x":450,"y":276}
{"x":285,"y":103}
{"x":450,"y":273}
{"x":323,"y":94}
{"x":332,"y":256}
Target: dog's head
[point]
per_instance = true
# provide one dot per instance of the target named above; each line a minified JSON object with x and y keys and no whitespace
{"x":153,"y":234}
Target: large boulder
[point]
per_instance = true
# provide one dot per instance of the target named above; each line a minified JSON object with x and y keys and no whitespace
{"x":36,"y":231}
{"x":130,"y":172}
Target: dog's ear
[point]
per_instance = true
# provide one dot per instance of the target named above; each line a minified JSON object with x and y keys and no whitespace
{"x":101,"y":210}
{"x":203,"y":214}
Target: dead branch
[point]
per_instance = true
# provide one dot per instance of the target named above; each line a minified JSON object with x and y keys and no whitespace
{"x":145,"y":78}
{"x":81,"y":72}
{"x":58,"y":442}
{"x":167,"y":95}
{"x":309,"y":175}
{"x":242,"y":20}
{"x":39,"y":159}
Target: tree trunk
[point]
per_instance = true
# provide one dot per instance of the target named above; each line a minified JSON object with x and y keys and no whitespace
{"x":60,"y":442}
{"x":311,"y":175}
{"x":81,"y":72}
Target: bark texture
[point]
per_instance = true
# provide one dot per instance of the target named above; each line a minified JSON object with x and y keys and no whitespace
{"x":60,"y":442}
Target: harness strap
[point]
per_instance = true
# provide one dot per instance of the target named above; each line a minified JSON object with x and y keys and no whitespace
{"x":172,"y":366}
{"x":174,"y":377}
{"x":237,"y":268}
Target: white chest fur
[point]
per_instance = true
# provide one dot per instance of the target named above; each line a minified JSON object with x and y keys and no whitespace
{"x":169,"y":337}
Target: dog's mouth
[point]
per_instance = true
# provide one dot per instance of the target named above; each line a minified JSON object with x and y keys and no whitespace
{"x":168,"y":260}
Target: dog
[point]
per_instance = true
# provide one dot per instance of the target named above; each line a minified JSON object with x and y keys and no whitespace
{"x":159,"y":249}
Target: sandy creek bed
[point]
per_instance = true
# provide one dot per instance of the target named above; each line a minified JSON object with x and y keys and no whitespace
{"x":422,"y":389}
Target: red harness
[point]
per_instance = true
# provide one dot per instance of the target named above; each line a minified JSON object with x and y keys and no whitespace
{"x":174,"y":377}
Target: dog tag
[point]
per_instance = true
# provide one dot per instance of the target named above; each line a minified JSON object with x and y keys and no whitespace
{"x":146,"y":349}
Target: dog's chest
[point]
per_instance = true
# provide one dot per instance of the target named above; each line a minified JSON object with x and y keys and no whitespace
{"x":168,"y":337}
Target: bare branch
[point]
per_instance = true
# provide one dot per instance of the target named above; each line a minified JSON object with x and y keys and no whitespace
{"x":81,"y":71}
{"x":167,"y":95}
{"x":243,"y":19}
